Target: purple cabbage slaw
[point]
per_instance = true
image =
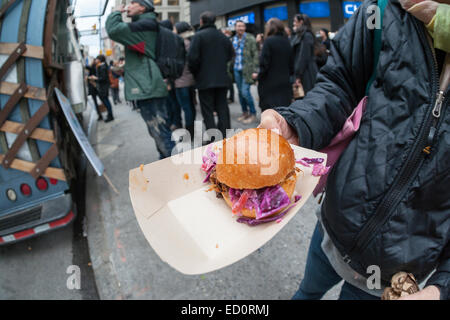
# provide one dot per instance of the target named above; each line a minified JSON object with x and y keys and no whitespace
{"x":265,"y":201}
{"x":209,"y":162}
{"x":254,"y":222}
{"x":318,"y":168}
{"x":313,"y":160}
{"x":307,"y":161}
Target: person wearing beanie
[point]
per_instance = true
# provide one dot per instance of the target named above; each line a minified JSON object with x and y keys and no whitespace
{"x":148,"y":4}
{"x":167,"y":24}
{"x":144,"y":82}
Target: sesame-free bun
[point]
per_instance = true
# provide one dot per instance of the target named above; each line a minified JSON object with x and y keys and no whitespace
{"x":254,"y":159}
{"x":288,"y":185}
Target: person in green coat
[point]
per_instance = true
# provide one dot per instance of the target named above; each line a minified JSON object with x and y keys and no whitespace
{"x":143,"y":80}
{"x":245,"y":66}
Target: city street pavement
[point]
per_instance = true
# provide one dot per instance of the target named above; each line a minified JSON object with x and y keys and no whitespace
{"x":125,"y":265}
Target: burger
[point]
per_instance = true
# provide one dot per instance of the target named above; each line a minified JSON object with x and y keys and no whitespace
{"x":255,"y":173}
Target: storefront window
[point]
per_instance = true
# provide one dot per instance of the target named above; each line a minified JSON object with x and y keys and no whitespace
{"x":174,"y":17}
{"x":173,"y":2}
{"x":278,"y":11}
{"x":315,"y":9}
{"x":157,"y":2}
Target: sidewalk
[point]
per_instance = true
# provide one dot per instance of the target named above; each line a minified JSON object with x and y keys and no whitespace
{"x":125,"y":265}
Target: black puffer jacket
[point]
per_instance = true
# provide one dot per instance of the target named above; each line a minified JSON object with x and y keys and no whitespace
{"x":388,"y":201}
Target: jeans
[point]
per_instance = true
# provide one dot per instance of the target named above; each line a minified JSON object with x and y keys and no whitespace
{"x":320,"y":276}
{"x":107,"y":103}
{"x":185,"y":101}
{"x":245,"y":97}
{"x":156,"y":116}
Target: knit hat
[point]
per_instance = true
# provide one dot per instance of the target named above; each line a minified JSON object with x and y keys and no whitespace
{"x":182,"y":26}
{"x":167,"y":24}
{"x":146,"y":3}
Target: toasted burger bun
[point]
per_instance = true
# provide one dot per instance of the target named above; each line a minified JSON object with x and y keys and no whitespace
{"x":288,"y":185}
{"x":254,"y":159}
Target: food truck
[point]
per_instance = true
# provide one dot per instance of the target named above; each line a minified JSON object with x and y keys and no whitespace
{"x":39,"y":156}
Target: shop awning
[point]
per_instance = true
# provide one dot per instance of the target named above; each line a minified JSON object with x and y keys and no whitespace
{"x":89,"y":8}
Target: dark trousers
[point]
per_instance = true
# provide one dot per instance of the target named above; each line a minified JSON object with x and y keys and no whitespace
{"x":94,"y":97}
{"x":156,"y":116}
{"x":215,"y":99}
{"x":231,"y":90}
{"x":174,"y":109}
{"x":115,"y":94}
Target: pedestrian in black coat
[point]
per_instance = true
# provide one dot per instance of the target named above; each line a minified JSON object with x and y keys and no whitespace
{"x":305,"y":67}
{"x":275,"y":67}
{"x":208,"y":57}
{"x":92,"y":90}
{"x":102,"y":79}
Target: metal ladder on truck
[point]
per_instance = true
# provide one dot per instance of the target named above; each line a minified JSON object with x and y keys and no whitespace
{"x":37,"y":148}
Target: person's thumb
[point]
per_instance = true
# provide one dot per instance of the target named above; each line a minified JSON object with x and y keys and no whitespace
{"x":269,"y":120}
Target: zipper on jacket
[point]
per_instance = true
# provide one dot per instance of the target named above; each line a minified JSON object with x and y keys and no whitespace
{"x":436,"y":114}
{"x":410,"y":168}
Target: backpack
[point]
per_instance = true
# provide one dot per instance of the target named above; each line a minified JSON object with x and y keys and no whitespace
{"x":170,"y":53}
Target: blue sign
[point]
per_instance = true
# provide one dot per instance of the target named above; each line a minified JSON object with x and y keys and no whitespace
{"x":246,"y":18}
{"x":315,"y":9}
{"x":350,"y":7}
{"x":277,"y":12}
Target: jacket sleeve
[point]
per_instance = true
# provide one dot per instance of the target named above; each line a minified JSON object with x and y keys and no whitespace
{"x":232,"y":52}
{"x":255,"y":55}
{"x":291,"y":61}
{"x":441,"y":277}
{"x":304,"y":57}
{"x":340,"y":84}
{"x":264,"y":61}
{"x":128,"y":34}
{"x":194,"y":55}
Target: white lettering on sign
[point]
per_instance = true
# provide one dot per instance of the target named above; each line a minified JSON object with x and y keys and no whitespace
{"x":350,"y":8}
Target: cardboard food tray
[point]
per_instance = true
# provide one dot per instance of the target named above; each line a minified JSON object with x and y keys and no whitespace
{"x":191,"y":229}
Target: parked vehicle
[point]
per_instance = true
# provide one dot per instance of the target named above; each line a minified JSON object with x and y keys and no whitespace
{"x":39,"y":155}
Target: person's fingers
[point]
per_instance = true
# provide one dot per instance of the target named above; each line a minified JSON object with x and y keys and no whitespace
{"x":268,"y":120}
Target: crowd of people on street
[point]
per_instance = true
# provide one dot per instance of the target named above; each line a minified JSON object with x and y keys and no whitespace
{"x":387,"y":197}
{"x":282,"y":64}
